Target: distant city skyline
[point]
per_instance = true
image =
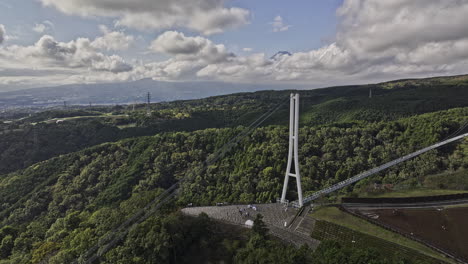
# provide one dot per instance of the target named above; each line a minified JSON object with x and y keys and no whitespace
{"x":333,"y":42}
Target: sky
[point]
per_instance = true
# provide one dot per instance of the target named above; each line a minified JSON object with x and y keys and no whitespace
{"x":331,"y":42}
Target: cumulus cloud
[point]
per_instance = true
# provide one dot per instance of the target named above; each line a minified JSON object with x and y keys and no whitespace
{"x":111,"y":63}
{"x":253,"y":67}
{"x":190,"y":48}
{"x":278,"y":24}
{"x":47,"y":52}
{"x":198,"y":57}
{"x":376,"y":26}
{"x":375,"y":41}
{"x":43,"y":27}
{"x":112,"y":40}
{"x":416,"y":36}
{"x":2,"y":33}
{"x":176,"y":43}
{"x":205,"y":16}
{"x":247,"y":49}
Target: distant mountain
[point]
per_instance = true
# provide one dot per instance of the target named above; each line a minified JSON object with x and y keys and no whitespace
{"x":131,"y":92}
{"x":128,"y":92}
{"x":280,"y":54}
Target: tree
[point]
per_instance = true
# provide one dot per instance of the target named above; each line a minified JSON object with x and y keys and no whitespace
{"x":6,"y":246}
{"x":259,"y":226}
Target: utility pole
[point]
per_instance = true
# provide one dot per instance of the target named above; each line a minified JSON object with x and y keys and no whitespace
{"x":293,"y":149}
{"x":370,"y":92}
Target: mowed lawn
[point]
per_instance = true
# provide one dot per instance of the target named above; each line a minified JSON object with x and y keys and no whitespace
{"x":334,"y":215}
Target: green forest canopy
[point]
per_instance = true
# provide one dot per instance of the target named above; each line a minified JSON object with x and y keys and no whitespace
{"x":54,"y":207}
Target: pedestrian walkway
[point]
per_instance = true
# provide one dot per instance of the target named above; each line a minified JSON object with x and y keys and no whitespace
{"x":276,"y":216}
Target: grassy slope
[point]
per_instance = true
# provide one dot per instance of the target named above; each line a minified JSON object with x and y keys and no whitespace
{"x":334,"y":215}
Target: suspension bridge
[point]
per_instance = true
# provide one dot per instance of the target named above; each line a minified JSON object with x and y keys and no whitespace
{"x":288,"y":221}
{"x":373,"y":171}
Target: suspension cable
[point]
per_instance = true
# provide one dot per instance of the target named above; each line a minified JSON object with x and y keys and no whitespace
{"x":458,"y":131}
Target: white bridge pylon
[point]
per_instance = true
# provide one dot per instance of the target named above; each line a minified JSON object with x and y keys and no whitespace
{"x":293,"y":150}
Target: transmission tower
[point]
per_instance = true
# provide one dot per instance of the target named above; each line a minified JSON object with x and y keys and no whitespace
{"x":293,"y":149}
{"x":148,"y":110}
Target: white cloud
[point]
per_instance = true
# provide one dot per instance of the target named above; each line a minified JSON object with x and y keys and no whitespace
{"x":217,"y":20}
{"x":278,"y":24}
{"x":177,"y":43}
{"x":112,"y":40}
{"x":2,"y":33}
{"x":247,"y":49}
{"x":416,"y":36}
{"x":253,"y":67}
{"x":43,"y":27}
{"x":205,"y":16}
{"x":375,"y":41}
{"x":49,"y":53}
{"x":190,"y":48}
{"x":111,"y":63}
{"x":366,"y":25}
{"x":367,"y":48}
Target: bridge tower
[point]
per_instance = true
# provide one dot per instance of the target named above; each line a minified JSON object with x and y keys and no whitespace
{"x":293,"y":149}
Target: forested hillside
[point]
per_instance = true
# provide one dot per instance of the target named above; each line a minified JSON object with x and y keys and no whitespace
{"x":32,"y":139}
{"x":56,"y":209}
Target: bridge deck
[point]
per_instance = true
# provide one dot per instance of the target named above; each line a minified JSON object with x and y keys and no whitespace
{"x":373,"y":171}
